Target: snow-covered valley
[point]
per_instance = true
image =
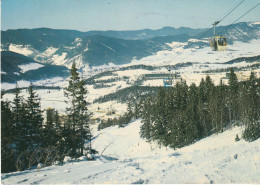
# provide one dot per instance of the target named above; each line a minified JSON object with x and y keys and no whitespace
{"x":193,"y":67}
{"x":125,"y":158}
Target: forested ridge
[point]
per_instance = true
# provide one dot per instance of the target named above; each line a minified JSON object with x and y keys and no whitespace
{"x":180,"y":115}
{"x":183,"y":114}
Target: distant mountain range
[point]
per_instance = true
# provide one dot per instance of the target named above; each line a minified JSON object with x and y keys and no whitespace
{"x":64,"y":47}
{"x":95,"y":48}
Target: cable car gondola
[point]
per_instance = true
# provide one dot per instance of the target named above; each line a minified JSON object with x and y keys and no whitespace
{"x":218,"y":43}
{"x":167,"y":82}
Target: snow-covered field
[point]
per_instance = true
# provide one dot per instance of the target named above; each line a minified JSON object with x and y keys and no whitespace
{"x":126,"y":159}
{"x":203,"y":55}
{"x":56,"y":81}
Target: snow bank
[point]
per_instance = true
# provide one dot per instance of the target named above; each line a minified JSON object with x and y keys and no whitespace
{"x":82,"y":158}
{"x":67,"y":159}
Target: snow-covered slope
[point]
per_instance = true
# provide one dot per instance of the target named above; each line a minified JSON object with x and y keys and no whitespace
{"x":126,"y":158}
{"x":178,"y":54}
{"x":29,"y":67}
{"x":17,"y":67}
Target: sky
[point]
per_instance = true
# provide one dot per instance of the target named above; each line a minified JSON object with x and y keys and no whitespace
{"x":86,"y":15}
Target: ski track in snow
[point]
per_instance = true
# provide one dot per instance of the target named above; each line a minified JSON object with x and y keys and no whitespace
{"x":129,"y":159}
{"x":108,"y":47}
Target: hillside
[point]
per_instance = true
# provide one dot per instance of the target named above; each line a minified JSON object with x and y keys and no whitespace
{"x":16,"y":67}
{"x":125,"y":158}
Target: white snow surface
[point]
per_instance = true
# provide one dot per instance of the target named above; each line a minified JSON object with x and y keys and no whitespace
{"x":28,"y":67}
{"x":49,"y":52}
{"x":24,"y":50}
{"x":204,"y":55}
{"x":55,"y":81}
{"x":59,"y":59}
{"x":126,"y":158}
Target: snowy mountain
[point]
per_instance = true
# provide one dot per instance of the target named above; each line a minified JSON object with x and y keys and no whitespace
{"x":95,"y":48}
{"x":16,"y":67}
{"x":125,"y":158}
{"x":91,"y":50}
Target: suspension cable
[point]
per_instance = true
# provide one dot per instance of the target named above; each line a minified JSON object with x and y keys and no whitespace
{"x":228,"y":26}
{"x":229,"y":12}
{"x":241,"y":17}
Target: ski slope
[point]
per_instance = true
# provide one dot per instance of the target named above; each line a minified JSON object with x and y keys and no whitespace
{"x":126,"y":159}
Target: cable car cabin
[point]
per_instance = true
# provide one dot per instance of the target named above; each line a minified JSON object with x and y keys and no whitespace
{"x":167,"y":82}
{"x":218,"y":43}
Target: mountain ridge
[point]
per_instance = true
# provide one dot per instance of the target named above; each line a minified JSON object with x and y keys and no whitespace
{"x":95,"y":48}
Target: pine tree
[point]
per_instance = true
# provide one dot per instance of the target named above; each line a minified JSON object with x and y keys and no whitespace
{"x":71,"y":93}
{"x":244,"y":103}
{"x":252,"y":130}
{"x":136,"y":110}
{"x":58,"y":132}
{"x":129,"y":110}
{"x":233,"y":96}
{"x":146,"y":115}
{"x":254,"y":97}
{"x":202,"y":110}
{"x":78,"y":117}
{"x":7,"y":138}
{"x":191,"y":122}
{"x":221,"y":107}
{"x":20,"y":121}
{"x":83,"y":116}
{"x":159,"y":128}
{"x":210,"y":90}
{"x":33,"y":118}
{"x":17,"y":106}
{"x":49,"y":131}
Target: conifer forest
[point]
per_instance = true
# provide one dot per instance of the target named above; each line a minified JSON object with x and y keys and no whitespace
{"x":26,"y":142}
{"x":183,"y":114}
{"x":180,"y":115}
